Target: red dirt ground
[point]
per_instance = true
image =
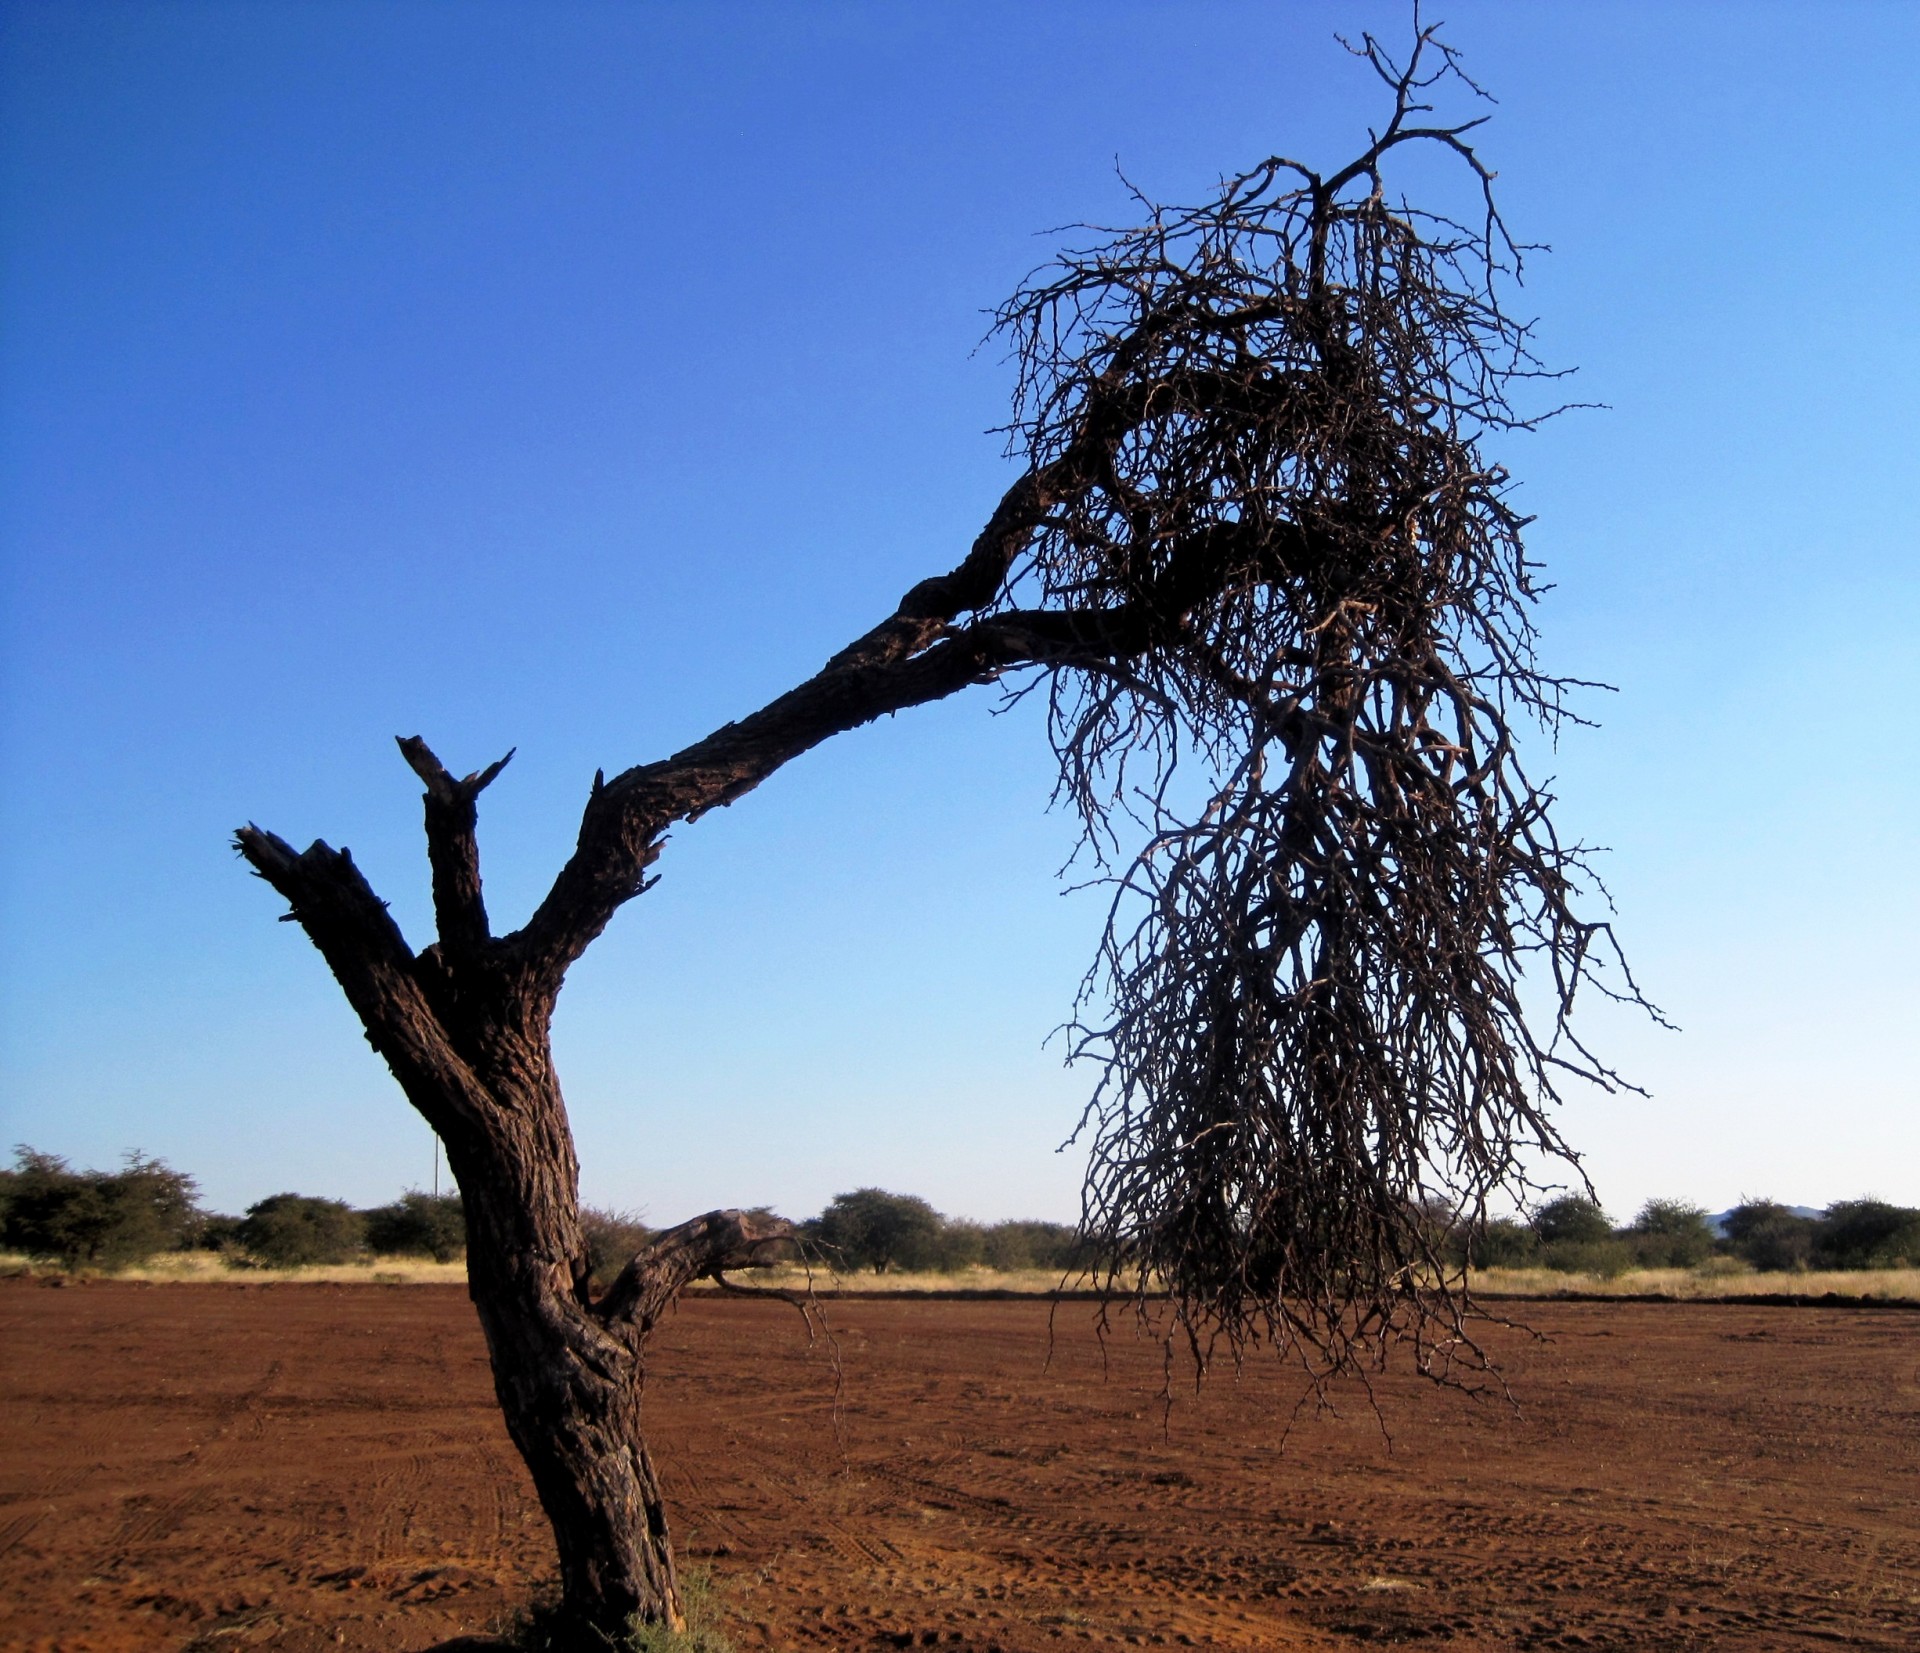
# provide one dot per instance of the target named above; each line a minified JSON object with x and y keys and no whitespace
{"x":313,"y":1467}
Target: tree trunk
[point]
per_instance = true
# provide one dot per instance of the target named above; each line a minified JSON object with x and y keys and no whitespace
{"x":569,"y":1378}
{"x":570,"y":1390}
{"x":463,"y":1024}
{"x":569,"y":1370}
{"x":464,"y":1027}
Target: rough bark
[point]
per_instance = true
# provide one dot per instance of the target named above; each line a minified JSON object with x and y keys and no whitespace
{"x":464,"y":1027}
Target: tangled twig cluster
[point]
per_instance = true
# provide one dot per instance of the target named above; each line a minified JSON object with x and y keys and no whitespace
{"x":1261,"y":423}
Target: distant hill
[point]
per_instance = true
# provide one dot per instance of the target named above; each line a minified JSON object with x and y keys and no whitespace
{"x":1718,"y":1221}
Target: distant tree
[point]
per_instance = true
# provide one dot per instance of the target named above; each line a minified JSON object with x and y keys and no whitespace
{"x":1253,"y":536}
{"x":1020,"y":1245}
{"x":1867,"y":1233}
{"x":959,"y":1245}
{"x":417,"y":1225}
{"x":1577,"y":1237}
{"x":613,"y":1239}
{"x":298,"y":1230}
{"x":1769,"y":1235}
{"x":1670,"y":1234}
{"x":1572,"y":1219}
{"x":98,"y":1219}
{"x":1501,"y":1242}
{"x":871,"y":1228}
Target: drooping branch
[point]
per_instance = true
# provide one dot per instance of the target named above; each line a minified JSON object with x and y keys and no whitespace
{"x":673,"y":1259}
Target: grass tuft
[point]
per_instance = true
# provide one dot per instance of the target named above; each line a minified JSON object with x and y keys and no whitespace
{"x":541,"y":1629}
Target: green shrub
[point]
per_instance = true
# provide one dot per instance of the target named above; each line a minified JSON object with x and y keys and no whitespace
{"x":612,"y":1239}
{"x":219,"y":1233}
{"x":97,"y":1219}
{"x":1606,"y":1258}
{"x":1670,"y":1234}
{"x":1867,"y":1233}
{"x":1572,"y":1220}
{"x":1500,"y":1242}
{"x":1767,"y":1235}
{"x":1015,"y":1245}
{"x":870,"y":1228}
{"x":296,"y":1230}
{"x":959,"y":1245}
{"x":418,"y":1225}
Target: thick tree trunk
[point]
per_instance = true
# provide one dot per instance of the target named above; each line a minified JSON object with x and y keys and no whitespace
{"x":569,"y":1378}
{"x":569,"y":1369}
{"x":464,"y":1027}
{"x":570,"y":1390}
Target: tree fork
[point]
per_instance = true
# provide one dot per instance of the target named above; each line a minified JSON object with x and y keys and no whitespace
{"x":465,"y":1031}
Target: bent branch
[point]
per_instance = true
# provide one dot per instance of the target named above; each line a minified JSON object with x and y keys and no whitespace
{"x":672,"y":1260}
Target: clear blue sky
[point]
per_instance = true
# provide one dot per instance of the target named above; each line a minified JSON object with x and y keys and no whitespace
{"x":575,"y":377}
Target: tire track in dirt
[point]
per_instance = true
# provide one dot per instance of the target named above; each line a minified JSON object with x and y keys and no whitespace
{"x":1652,"y":1498}
{"x":39,"y":1501}
{"x":240,"y":1418}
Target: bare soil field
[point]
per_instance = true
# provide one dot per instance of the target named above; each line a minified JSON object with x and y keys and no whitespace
{"x":319,"y":1467}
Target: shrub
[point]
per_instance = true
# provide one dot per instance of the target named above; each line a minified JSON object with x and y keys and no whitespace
{"x":1670,"y":1234}
{"x":99,"y":1219}
{"x":418,"y":1225}
{"x":612,"y":1239}
{"x":1867,"y":1234}
{"x":1500,"y":1242}
{"x":1605,"y":1258}
{"x":1768,"y":1235}
{"x":219,"y":1232}
{"x":871,"y":1228}
{"x":959,"y":1245}
{"x":1012,"y":1245}
{"x":543,"y":1627}
{"x":1572,"y":1220}
{"x":295,"y":1230}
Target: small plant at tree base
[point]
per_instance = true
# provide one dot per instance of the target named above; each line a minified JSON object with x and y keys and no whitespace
{"x":546,"y":1627}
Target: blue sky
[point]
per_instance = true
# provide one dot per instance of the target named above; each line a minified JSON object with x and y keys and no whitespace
{"x":576,"y":377}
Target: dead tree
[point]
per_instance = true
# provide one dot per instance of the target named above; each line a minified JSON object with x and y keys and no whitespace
{"x":1278,"y":598}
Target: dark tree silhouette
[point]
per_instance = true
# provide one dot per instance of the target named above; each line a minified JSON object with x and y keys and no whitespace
{"x":870,"y":1228}
{"x":1277,"y":596}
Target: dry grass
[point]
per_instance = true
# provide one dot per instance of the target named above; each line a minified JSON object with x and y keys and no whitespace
{"x":1720,"y":1278}
{"x":203,"y":1268}
{"x":1026,"y":1281}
